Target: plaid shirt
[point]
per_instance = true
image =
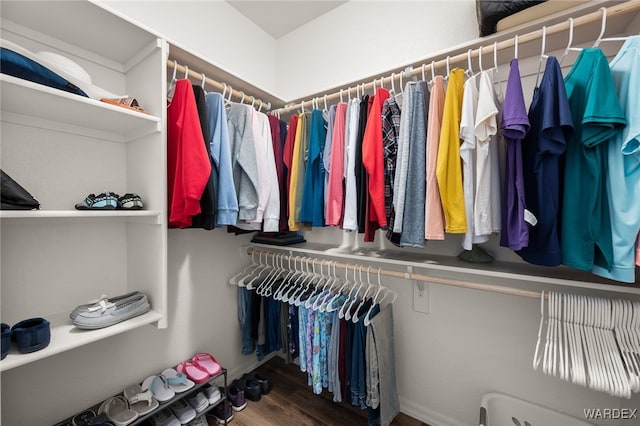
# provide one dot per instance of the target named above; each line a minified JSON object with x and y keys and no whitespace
{"x":390,"y":128}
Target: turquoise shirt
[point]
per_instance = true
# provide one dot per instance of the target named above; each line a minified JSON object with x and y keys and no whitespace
{"x":597,"y":117}
{"x":623,"y":171}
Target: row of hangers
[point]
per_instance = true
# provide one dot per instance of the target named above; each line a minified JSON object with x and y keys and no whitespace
{"x":301,"y":284}
{"x":227,"y":98}
{"x":590,"y":341}
{"x":360,"y":88}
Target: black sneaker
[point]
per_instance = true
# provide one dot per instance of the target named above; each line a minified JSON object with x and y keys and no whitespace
{"x":253,"y":391}
{"x":265,"y":383}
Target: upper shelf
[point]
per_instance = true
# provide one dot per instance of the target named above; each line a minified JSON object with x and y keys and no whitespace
{"x":512,"y":271}
{"x":55,"y":109}
{"x":144,"y":216}
{"x":109,"y":35}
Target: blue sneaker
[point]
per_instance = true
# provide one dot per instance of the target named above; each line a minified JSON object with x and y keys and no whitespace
{"x":103,"y":201}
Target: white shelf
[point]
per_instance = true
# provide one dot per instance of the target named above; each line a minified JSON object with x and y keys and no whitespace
{"x":151,"y":216}
{"x":25,"y":102}
{"x":521,"y":273}
{"x":65,"y":336}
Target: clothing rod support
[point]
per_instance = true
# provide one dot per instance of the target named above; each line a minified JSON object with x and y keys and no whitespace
{"x":596,"y":16}
{"x":219,"y":86}
{"x":411,"y":276}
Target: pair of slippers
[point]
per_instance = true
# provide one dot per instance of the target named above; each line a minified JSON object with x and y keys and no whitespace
{"x":166,"y":385}
{"x":254,"y":385}
{"x":30,"y":335}
{"x":111,"y":201}
{"x":200,"y":368}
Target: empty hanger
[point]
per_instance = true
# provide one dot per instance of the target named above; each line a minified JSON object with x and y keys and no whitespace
{"x":367,"y":317}
{"x":355,"y":318}
{"x":569,"y":44}
{"x":234,"y":279}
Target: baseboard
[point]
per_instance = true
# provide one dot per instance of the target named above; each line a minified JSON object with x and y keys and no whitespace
{"x":426,"y":415}
{"x":240,"y":370}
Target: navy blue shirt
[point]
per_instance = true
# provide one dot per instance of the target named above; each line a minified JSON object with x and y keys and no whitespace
{"x":543,"y":148}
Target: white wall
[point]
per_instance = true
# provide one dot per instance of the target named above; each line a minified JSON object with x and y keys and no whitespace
{"x":214,"y":30}
{"x":362,"y":38}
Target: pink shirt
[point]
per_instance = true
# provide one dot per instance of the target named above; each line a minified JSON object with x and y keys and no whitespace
{"x":335,"y":196}
{"x":434,"y":223}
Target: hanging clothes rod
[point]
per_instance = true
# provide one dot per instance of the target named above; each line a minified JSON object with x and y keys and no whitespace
{"x":419,"y":69}
{"x":222,"y":87}
{"x":410,"y":275}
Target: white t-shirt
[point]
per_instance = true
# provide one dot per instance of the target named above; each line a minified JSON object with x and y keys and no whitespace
{"x":468,"y":156}
{"x":350,"y":220}
{"x":486,"y":216}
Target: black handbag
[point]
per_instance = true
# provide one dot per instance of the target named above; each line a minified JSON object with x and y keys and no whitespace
{"x":14,"y":196}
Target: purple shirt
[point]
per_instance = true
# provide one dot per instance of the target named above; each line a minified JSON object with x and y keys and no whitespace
{"x":515,"y":125}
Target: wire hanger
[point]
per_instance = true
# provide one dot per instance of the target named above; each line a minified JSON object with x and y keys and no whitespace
{"x":543,"y":56}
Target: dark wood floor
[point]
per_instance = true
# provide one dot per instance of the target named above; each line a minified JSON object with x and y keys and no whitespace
{"x":292,"y":403}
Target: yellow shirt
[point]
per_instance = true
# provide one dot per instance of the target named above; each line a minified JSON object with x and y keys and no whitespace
{"x":448,"y":167}
{"x":297,"y":173}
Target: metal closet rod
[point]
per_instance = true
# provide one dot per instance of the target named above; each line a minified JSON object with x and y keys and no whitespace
{"x":420,"y":69}
{"x":223,"y":87}
{"x":410,"y":275}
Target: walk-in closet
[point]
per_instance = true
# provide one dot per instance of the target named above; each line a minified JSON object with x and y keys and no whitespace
{"x":320,"y":212}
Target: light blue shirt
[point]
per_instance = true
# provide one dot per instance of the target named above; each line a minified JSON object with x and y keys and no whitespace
{"x":219,"y":145}
{"x":623,"y":167}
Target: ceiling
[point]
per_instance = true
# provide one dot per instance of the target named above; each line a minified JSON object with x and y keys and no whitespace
{"x":281,"y":17}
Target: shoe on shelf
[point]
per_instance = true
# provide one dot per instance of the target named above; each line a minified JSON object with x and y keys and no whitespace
{"x":198,"y":401}
{"x":31,"y":335}
{"x":142,"y":402}
{"x":236,"y":396}
{"x":176,"y":381}
{"x":183,"y":411}
{"x":265,"y":383}
{"x":88,"y":418}
{"x":118,"y":411}
{"x":207,"y":363}
{"x":6,"y":339}
{"x":101,"y":302}
{"x":192,"y":371}
{"x":199,"y":421}
{"x":212,"y":393}
{"x":102,"y":201}
{"x":130,"y":201}
{"x":158,"y":387}
{"x":253,"y":391}
{"x":109,"y":315}
{"x":222,"y":412}
{"x":164,"y":418}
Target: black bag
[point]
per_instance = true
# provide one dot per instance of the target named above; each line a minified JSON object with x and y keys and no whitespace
{"x":15,"y":197}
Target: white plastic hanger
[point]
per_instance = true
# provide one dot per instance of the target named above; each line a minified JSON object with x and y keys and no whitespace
{"x":363,"y":299}
{"x":204,"y":78}
{"x":433,"y":72}
{"x":326,"y":107}
{"x":448,"y":69}
{"x":355,"y":298}
{"x":350,"y":295}
{"x":469,"y":71}
{"x":172,"y":83}
{"x":480,"y":61}
{"x":537,"y":355}
{"x":234,"y":279}
{"x":569,"y":47}
{"x":401,"y":86}
{"x":341,"y":100}
{"x":515,"y":47}
{"x":330,"y":305}
{"x":424,"y":77}
{"x":375,"y":301}
{"x":543,"y":56}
